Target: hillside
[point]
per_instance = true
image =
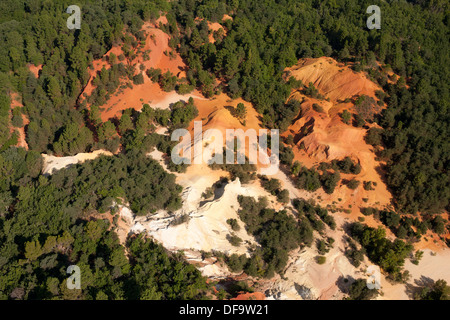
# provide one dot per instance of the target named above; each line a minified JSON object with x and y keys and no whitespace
{"x":91,"y":118}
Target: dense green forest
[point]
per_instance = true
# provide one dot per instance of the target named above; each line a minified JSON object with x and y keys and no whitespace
{"x":44,"y":221}
{"x":276,"y":232}
{"x":390,"y":256}
{"x":48,"y":223}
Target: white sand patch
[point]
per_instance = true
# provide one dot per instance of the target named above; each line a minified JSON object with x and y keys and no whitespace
{"x":159,"y":156}
{"x":307,"y":280}
{"x":172,"y":98}
{"x":213,"y":271}
{"x":207,"y":228}
{"x":431,"y":266}
{"x":162,"y":131}
{"x":52,"y":163}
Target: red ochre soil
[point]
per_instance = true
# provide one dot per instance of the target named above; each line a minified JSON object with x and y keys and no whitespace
{"x":158,"y":42}
{"x":250,"y":296}
{"x":324,"y":137}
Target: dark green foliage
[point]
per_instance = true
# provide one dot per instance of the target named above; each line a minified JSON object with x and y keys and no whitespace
{"x":390,"y":256}
{"x":310,"y":209}
{"x":329,"y":181}
{"x":283,"y":196}
{"x":184,"y":88}
{"x":37,"y":34}
{"x":234,"y":240}
{"x":73,"y":139}
{"x":4,"y":117}
{"x":138,"y":79}
{"x":273,"y":186}
{"x":311,"y":180}
{"x":401,"y":226}
{"x":347,"y":166}
{"x":374,"y":136}
{"x":354,"y":255}
{"x":168,"y":81}
{"x":438,"y":291}
{"x":312,"y":92}
{"x":234,"y":224}
{"x":16,"y":119}
{"x":322,"y":247}
{"x":246,"y":172}
{"x":369,"y":211}
{"x":360,"y":291}
{"x":182,"y":114}
{"x":352,"y":184}
{"x":277,"y":232}
{"x":318,"y":108}
{"x":286,"y":113}
{"x":48,"y":230}
{"x":286,"y":155}
{"x":346,"y":116}
{"x":262,"y":39}
{"x":321,"y":259}
{"x":241,"y":111}
{"x":358,"y":121}
{"x":308,"y":179}
{"x":390,"y":218}
{"x":236,"y":263}
{"x":366,"y":107}
{"x":154,"y":74}
{"x":183,"y":218}
{"x":368,"y":185}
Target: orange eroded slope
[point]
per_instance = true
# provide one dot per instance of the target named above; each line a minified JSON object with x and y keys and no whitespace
{"x":250,"y":296}
{"x":158,"y":43}
{"x":322,"y":136}
{"x":35,"y":69}
{"x":15,"y":103}
{"x":335,"y":81}
{"x":216,"y":114}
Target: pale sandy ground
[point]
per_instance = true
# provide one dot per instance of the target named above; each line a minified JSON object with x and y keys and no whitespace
{"x":433,"y":266}
{"x":207,"y":228}
{"x":52,"y":163}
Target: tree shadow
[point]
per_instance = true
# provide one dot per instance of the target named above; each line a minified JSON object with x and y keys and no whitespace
{"x":304,"y":131}
{"x":218,"y":190}
{"x":344,"y":283}
{"x":419,"y":284}
{"x":231,"y":109}
{"x":347,"y":228}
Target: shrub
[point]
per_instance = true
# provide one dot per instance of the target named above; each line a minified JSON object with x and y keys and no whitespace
{"x":234,"y":240}
{"x":321,"y":259}
{"x":368,"y":186}
{"x":138,"y":79}
{"x":360,"y":291}
{"x":346,"y":116}
{"x":353,"y":184}
{"x":234,"y":224}
{"x":318,"y":108}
